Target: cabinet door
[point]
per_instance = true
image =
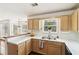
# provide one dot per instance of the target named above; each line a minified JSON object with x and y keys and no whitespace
{"x":42,"y":50}
{"x":55,"y":48}
{"x":74,"y":21}
{"x":21,"y":49}
{"x":33,"y":24}
{"x":64,"y":23}
{"x":36,"y":24}
{"x":36,"y":46}
{"x":28,"y":46}
{"x":30,"y":24}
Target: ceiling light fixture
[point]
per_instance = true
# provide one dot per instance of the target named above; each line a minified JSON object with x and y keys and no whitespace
{"x":34,"y":4}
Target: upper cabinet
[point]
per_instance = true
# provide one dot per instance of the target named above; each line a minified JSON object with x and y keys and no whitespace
{"x":30,"y":24}
{"x":34,"y":24}
{"x":75,"y":21}
{"x":65,"y":23}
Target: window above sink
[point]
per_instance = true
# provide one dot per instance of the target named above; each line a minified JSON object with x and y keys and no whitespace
{"x":52,"y":24}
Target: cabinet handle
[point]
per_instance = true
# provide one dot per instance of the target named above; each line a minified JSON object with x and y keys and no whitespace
{"x":41,"y":44}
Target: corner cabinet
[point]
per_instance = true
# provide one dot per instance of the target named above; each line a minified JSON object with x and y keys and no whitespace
{"x":75,"y":21}
{"x":23,"y":48}
{"x":28,"y":46}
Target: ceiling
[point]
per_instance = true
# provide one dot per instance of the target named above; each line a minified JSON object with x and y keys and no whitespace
{"x":29,"y":10}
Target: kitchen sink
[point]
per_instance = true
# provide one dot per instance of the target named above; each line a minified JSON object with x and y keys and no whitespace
{"x":50,"y":38}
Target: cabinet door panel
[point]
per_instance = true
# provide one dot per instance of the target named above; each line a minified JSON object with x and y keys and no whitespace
{"x":44,"y":49}
{"x":74,"y":21}
{"x":36,"y":46}
{"x":30,"y":24}
{"x":21,"y":48}
{"x":54,"y":50}
{"x":28,"y":46}
{"x":36,"y":24}
{"x":64,"y":23}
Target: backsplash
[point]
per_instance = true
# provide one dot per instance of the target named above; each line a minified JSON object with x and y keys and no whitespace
{"x":64,"y":35}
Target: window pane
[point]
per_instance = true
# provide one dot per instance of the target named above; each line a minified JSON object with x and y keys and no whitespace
{"x":45,"y":28}
{"x":53,"y":28}
{"x":50,"y":23}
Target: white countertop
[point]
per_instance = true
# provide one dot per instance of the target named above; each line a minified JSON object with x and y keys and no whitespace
{"x":71,"y":44}
{"x":19,"y":39}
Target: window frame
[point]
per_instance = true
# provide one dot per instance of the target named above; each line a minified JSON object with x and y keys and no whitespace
{"x":57,"y":25}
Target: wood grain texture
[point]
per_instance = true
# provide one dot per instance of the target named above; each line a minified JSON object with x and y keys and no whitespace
{"x":21,"y":49}
{"x":12,"y":49}
{"x":64,"y":23}
{"x":28,"y":46}
{"x":55,"y":48}
{"x":75,"y":21}
{"x":36,"y":46}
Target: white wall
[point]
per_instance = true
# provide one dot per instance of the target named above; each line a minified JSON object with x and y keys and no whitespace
{"x":69,"y":35}
{"x":13,"y":17}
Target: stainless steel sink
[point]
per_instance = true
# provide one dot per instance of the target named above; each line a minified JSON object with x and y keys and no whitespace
{"x":50,"y":38}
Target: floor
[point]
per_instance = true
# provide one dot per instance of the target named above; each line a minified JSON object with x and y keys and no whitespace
{"x":34,"y":53}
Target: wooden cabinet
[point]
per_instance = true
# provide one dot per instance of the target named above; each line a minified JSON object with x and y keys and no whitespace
{"x":12,"y":49}
{"x":56,"y":48}
{"x":28,"y":46}
{"x":21,"y":49}
{"x":33,"y":24}
{"x":65,"y":23}
{"x":36,"y":46}
{"x":30,"y":24}
{"x":16,"y":49}
{"x":36,"y":24}
{"x":75,"y":21}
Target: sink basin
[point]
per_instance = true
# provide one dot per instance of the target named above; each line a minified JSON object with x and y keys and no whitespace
{"x":45,"y":37}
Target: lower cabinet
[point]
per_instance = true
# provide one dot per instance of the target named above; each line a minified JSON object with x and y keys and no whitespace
{"x":56,"y":48}
{"x":28,"y":47}
{"x":39,"y":46}
{"x":16,"y":49}
{"x":20,"y":49}
{"x":49,"y":47}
